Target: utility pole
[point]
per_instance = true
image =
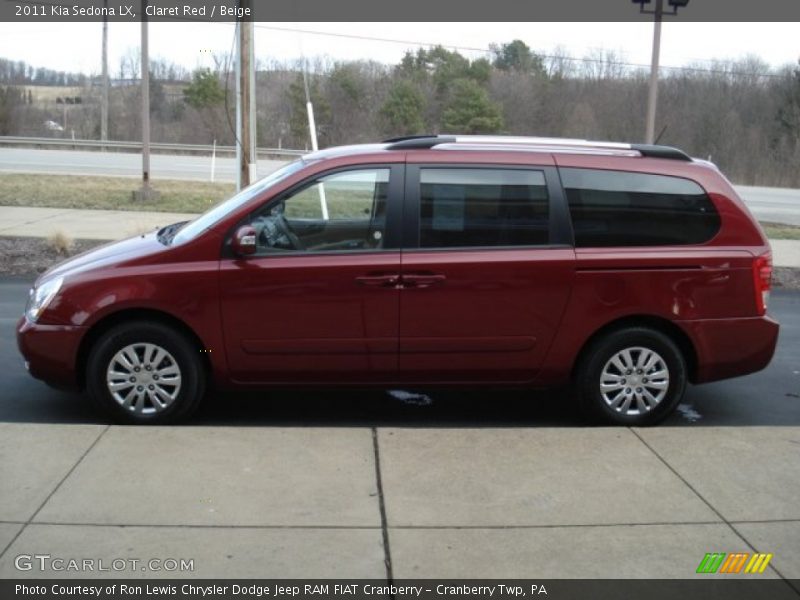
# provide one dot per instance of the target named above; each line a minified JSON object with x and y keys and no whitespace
{"x":145,"y":105}
{"x":652,"y":97}
{"x":245,"y":104}
{"x":146,"y":192}
{"x":104,"y":97}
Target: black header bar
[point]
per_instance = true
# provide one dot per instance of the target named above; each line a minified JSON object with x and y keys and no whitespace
{"x":389,"y":10}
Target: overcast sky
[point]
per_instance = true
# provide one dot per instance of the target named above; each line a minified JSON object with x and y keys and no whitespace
{"x":76,"y":46}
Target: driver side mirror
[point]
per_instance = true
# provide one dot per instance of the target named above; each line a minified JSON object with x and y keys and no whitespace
{"x":244,"y":241}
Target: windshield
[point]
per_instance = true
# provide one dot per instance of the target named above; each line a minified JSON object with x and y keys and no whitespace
{"x":217,"y":212}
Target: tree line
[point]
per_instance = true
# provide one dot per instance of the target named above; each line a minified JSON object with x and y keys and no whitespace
{"x":18,"y":72}
{"x":743,"y":115}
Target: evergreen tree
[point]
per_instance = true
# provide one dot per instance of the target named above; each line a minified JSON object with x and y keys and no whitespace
{"x":517,"y":56}
{"x":205,"y":91}
{"x":402,"y":112}
{"x":469,"y":110}
{"x":298,"y":119}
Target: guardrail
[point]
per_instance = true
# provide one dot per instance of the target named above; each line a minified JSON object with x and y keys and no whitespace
{"x":137,"y":146}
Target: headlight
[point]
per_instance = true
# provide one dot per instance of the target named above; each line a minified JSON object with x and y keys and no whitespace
{"x":41,"y":296}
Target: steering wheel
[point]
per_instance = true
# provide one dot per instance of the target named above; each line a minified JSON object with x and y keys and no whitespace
{"x":283,"y":227}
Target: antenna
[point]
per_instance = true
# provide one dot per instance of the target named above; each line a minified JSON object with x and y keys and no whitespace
{"x":663,"y":129}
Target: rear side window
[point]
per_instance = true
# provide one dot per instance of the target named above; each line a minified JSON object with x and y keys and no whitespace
{"x":618,"y":208}
{"x":482,"y":207}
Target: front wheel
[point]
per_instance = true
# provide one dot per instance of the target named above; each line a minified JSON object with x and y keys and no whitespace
{"x":633,"y":376}
{"x":145,"y":373}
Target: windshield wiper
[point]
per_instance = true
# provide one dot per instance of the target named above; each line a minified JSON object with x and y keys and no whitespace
{"x":165,"y":234}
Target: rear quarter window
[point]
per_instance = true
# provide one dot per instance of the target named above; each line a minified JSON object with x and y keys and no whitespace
{"x":620,"y":208}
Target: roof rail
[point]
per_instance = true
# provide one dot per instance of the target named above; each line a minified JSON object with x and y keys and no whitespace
{"x":538,"y":141}
{"x":403,"y":138}
{"x":418,"y":142}
{"x":655,"y":151}
{"x":430,"y":141}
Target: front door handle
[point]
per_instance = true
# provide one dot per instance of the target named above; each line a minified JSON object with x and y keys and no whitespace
{"x":419,"y":280}
{"x":389,"y":280}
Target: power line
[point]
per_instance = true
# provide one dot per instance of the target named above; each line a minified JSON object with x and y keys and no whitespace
{"x":544,"y":55}
{"x":489,"y":51}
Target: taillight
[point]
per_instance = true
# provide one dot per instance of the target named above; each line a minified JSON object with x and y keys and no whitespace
{"x":762,"y":281}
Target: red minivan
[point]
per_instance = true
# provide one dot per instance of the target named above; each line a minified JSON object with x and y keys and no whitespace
{"x":626,"y":270}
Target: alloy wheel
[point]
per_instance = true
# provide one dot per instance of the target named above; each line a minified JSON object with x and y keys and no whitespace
{"x":634,"y":381}
{"x":143,"y":378}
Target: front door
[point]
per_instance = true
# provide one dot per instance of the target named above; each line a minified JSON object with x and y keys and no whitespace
{"x":487,"y":272}
{"x":319,"y":301}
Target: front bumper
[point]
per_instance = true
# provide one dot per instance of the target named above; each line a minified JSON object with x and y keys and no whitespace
{"x":51,"y":352}
{"x":731,"y":347}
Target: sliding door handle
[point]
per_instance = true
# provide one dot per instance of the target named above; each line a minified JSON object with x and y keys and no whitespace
{"x":389,"y":280}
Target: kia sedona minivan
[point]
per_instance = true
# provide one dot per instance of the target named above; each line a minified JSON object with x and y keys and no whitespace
{"x":625,"y":270}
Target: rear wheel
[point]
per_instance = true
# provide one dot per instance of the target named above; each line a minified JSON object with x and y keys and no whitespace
{"x":145,"y":373}
{"x":633,"y":376}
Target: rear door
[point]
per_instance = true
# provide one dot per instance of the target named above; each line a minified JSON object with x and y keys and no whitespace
{"x":487,"y":270}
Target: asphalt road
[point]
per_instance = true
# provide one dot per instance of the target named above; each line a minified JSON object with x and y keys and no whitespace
{"x":768,"y":204}
{"x":119,"y":164}
{"x":771,"y":397}
{"x":777,"y":205}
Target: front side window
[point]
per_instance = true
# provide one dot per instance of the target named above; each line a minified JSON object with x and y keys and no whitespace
{"x":474,"y":207}
{"x":619,"y":208}
{"x":337,"y":212}
{"x":212,"y":216}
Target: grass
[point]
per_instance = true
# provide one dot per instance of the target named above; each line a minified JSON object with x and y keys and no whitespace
{"x":111,"y":193}
{"x":776,"y":231}
{"x":352,"y":200}
{"x":47,"y":94}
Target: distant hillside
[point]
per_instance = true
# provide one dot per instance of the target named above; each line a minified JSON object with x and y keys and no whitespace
{"x":18,"y":72}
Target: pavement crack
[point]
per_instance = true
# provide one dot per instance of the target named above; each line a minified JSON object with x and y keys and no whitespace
{"x":54,"y":490}
{"x":387,"y":554}
{"x":204,"y":526}
{"x":711,"y":506}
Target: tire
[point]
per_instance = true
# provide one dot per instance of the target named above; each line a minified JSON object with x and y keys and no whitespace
{"x":167,"y":392}
{"x":631,"y":396}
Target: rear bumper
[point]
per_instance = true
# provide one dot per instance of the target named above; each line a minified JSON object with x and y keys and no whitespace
{"x":731,"y":347}
{"x":51,"y":352}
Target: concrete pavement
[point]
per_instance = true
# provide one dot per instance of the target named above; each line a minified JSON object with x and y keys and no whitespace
{"x":305,"y":502}
{"x":82,"y":224}
{"x":785,"y":253}
{"x":116,"y":224}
